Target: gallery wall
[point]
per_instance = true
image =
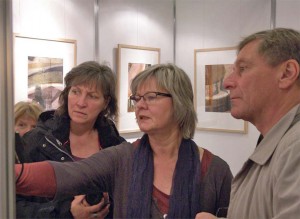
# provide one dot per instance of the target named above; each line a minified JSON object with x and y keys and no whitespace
{"x":209,"y":24}
{"x":135,"y":22}
{"x":57,"y":19}
{"x":200,"y":24}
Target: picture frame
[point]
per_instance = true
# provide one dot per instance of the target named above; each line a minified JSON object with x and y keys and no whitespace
{"x":131,"y":61}
{"x":40,"y":66}
{"x":212,"y":101}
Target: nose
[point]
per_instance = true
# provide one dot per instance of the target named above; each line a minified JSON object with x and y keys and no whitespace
{"x":81,"y":100}
{"x":141,"y":103}
{"x":228,"y":82}
{"x":27,"y":129}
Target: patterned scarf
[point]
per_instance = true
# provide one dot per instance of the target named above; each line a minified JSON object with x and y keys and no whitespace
{"x":185,"y":193}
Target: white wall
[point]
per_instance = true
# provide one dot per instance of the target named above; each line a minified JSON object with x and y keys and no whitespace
{"x":57,"y":19}
{"x":146,"y":23}
{"x":288,"y":14}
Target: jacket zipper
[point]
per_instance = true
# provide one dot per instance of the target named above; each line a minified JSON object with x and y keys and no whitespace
{"x":59,"y":148}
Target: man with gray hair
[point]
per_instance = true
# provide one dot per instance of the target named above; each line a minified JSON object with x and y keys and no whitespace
{"x":265,"y":90}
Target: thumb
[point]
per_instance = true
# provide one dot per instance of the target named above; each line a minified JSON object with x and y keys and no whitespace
{"x":78,"y":199}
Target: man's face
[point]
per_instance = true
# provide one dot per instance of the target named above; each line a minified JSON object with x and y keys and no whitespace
{"x":252,"y":84}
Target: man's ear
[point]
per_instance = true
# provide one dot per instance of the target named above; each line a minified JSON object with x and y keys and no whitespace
{"x":289,"y":74}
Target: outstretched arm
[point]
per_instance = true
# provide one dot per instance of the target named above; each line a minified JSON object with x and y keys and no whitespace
{"x":36,"y":179}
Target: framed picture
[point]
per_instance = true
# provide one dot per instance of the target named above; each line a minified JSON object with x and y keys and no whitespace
{"x":212,"y":101}
{"x":131,"y":61}
{"x":39,"y":68}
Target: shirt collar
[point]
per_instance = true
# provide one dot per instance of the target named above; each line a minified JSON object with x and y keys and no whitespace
{"x":268,"y":144}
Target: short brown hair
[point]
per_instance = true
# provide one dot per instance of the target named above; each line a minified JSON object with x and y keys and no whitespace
{"x":91,"y":73}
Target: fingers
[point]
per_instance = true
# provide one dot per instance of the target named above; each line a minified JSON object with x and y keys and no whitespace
{"x":101,"y":214}
{"x":79,"y":199}
{"x":106,"y":197}
{"x":97,"y":207}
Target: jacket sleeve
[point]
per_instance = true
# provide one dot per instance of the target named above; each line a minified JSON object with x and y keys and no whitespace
{"x":215,"y":186}
{"x":35,"y":207}
{"x":224,"y":192}
{"x":286,"y":199}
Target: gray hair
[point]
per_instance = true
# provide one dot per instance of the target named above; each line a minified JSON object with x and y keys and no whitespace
{"x":176,"y":82}
{"x":276,"y":45}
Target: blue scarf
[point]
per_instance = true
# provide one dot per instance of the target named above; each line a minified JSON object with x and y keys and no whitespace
{"x":185,"y":194}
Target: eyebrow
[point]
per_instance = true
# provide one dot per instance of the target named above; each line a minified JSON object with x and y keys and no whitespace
{"x":88,"y":90}
{"x":242,"y":60}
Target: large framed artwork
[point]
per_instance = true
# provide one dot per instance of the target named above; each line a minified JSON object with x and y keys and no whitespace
{"x":39,"y":68}
{"x":212,"y":101}
{"x":131,"y":61}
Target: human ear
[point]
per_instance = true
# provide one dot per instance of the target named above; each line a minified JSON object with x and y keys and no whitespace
{"x":289,"y":74}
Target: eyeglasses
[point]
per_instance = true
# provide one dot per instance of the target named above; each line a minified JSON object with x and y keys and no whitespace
{"x":149,"y":97}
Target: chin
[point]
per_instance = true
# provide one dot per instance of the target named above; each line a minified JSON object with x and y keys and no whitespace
{"x":144,"y":129}
{"x":237,"y":115}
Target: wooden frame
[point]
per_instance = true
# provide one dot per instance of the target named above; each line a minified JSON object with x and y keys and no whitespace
{"x":212,"y":101}
{"x":39,"y":68}
{"x":131,"y":61}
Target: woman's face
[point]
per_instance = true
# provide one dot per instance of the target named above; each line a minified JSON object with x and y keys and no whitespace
{"x":24,"y":124}
{"x":84,"y":104}
{"x":156,"y":117}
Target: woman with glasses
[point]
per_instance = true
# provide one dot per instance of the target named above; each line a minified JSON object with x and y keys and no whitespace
{"x":162,"y":175}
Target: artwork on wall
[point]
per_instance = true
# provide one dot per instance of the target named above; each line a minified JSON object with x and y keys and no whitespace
{"x":131,"y":61}
{"x":212,"y":101}
{"x":39,"y":68}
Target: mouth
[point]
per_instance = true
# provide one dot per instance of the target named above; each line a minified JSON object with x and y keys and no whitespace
{"x":142,"y":117}
{"x":233,"y":98}
{"x":81,"y":113}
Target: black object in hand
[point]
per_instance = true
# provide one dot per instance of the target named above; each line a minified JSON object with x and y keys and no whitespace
{"x":93,"y":199}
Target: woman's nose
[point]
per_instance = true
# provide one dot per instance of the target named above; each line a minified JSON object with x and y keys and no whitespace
{"x":81,"y":100}
{"x":141,"y":103}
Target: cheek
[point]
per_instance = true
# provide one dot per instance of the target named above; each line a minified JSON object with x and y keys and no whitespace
{"x":21,"y":133}
{"x":97,"y":107}
{"x":70,"y":103}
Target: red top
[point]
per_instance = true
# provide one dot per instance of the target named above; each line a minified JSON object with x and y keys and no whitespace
{"x":162,"y":199}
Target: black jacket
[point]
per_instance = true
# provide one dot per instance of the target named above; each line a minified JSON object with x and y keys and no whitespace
{"x":49,"y":141}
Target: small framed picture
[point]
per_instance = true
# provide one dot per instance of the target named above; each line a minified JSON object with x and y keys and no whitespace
{"x":212,"y":101}
{"x":131,"y":61}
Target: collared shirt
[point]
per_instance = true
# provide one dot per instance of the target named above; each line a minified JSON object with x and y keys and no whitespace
{"x":268,"y":184}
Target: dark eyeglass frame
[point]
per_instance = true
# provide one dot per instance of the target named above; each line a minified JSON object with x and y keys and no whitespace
{"x":136,"y":98}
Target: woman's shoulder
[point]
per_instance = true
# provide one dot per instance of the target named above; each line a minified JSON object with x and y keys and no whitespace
{"x":213,"y":163}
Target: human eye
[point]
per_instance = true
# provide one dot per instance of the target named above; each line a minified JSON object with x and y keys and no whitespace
{"x":21,"y":125}
{"x":93,"y":96}
{"x":150,"y":96}
{"x":74,"y":91}
{"x":135,"y":98}
{"x":241,"y":68}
